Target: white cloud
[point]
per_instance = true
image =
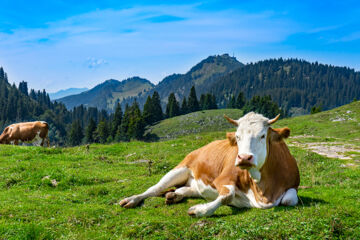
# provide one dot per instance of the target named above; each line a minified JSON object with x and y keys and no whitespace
{"x":92,"y":62}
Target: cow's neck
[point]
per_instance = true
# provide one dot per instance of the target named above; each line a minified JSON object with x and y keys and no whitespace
{"x":272,"y":182}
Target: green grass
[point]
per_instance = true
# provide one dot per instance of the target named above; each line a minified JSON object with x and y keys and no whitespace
{"x":342,"y":123}
{"x":196,"y":122}
{"x":89,"y":184}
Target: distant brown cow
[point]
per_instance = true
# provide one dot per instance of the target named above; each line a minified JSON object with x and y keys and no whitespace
{"x":27,"y":132}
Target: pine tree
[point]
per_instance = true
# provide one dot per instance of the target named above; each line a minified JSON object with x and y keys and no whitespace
{"x":102,"y":132}
{"x":76,"y":133}
{"x":89,"y":132}
{"x":232,"y":102}
{"x":136,"y":124}
{"x":202,"y":102}
{"x":116,"y":122}
{"x":184,"y":107}
{"x":240,"y":101}
{"x":193,"y":104}
{"x":148,"y":111}
{"x":172,"y":107}
{"x":23,"y":87}
{"x":157,"y":110}
{"x":213,"y":102}
{"x":122,"y":132}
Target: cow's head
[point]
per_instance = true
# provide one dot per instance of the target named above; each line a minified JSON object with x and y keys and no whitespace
{"x":252,"y":137}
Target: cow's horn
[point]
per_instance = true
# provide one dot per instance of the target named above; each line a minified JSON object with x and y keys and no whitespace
{"x":271,"y":121}
{"x":232,"y":121}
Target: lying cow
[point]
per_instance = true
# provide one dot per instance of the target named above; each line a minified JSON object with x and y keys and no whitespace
{"x":251,"y":168}
{"x":27,"y":132}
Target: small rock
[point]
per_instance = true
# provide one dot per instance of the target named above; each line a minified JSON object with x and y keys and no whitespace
{"x":54,"y":182}
{"x":45,"y":178}
{"x":129,"y":155}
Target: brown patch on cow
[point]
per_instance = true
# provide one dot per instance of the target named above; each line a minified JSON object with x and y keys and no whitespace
{"x":231,"y":137}
{"x":277,"y":134}
{"x":280,"y":161}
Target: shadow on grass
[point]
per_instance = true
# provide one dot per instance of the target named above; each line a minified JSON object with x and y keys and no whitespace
{"x":151,"y":137}
{"x":309,"y":201}
{"x":303,"y":202}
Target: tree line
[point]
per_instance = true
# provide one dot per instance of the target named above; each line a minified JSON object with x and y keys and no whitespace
{"x":260,"y":104}
{"x":131,"y":123}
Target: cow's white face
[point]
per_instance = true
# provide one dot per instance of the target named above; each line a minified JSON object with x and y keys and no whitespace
{"x":251,"y":135}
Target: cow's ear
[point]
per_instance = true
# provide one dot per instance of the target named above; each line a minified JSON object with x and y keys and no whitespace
{"x":280,"y":133}
{"x":231,"y":137}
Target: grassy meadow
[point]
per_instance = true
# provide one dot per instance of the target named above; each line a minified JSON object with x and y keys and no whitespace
{"x":72,"y":193}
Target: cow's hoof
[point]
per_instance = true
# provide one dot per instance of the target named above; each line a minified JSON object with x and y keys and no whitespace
{"x":172,"y":197}
{"x":130,"y":202}
{"x":199,"y":210}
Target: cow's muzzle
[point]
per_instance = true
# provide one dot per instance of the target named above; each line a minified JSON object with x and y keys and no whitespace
{"x":245,"y":161}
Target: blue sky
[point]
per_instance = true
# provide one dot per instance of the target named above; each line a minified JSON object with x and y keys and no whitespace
{"x":61,"y":44}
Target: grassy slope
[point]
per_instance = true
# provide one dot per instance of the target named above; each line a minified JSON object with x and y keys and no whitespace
{"x":196,"y":122}
{"x":82,"y":206}
{"x":342,"y":122}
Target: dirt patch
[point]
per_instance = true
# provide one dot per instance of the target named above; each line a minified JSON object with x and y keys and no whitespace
{"x":331,"y":150}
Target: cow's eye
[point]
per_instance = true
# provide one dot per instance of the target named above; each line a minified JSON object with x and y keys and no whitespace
{"x":263,"y":136}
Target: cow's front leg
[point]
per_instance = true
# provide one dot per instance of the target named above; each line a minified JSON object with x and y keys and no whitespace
{"x":180,"y":193}
{"x":173,"y":178}
{"x":226,"y":195}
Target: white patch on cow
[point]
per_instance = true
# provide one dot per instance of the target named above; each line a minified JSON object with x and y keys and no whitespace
{"x":205,"y":191}
{"x":36,"y":141}
{"x":208,"y":209}
{"x":290,"y":198}
{"x":240,"y":200}
{"x":248,"y":200}
{"x":251,"y":137}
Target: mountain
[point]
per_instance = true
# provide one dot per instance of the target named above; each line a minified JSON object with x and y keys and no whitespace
{"x":106,"y":94}
{"x":296,"y":85}
{"x":66,"y":92}
{"x":202,"y":76}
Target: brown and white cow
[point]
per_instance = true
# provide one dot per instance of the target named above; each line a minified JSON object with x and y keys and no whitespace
{"x":27,"y":132}
{"x":251,"y":168}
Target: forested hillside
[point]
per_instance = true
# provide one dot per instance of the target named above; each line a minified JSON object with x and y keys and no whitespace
{"x":291,"y":83}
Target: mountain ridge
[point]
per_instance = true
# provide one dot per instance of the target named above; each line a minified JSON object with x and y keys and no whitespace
{"x":107,"y":93}
{"x":66,"y":92}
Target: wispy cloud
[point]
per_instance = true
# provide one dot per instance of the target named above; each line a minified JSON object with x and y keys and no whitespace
{"x":92,"y":62}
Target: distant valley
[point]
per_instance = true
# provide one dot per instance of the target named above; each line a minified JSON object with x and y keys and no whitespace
{"x":66,"y":92}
